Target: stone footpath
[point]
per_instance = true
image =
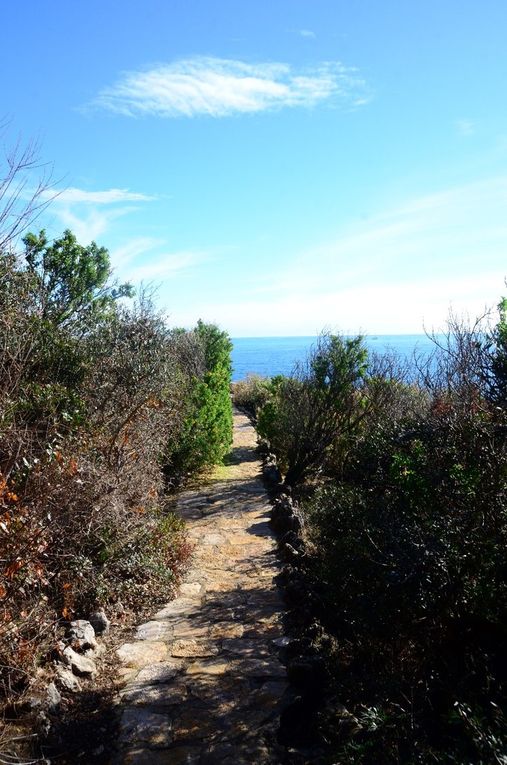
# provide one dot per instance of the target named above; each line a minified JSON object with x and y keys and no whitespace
{"x":204,"y":683}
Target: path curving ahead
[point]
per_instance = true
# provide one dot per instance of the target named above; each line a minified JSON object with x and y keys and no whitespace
{"x":204,"y":681}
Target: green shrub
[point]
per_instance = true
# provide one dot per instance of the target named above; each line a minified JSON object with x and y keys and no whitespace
{"x":206,"y":433}
{"x":317,"y":409}
{"x":406,"y":546}
{"x":91,"y":391}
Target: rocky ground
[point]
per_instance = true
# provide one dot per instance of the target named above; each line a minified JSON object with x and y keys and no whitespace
{"x":203,"y":679}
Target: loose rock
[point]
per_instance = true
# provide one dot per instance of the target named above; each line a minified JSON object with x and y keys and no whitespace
{"x":53,"y":696}
{"x":66,"y":679}
{"x":100,"y":622}
{"x":80,"y":665}
{"x":82,"y":635}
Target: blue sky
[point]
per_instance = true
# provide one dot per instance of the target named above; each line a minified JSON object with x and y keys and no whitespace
{"x":277,"y":167}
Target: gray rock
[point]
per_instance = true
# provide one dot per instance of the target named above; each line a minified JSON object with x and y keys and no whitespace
{"x":285,"y":499}
{"x":80,"y":665}
{"x":155,"y":695}
{"x":284,"y":517}
{"x":281,"y":642}
{"x":100,"y":622}
{"x":296,"y":591}
{"x":66,"y":679}
{"x":94,"y":653}
{"x":139,"y":724}
{"x":272,"y":473}
{"x":288,"y":552}
{"x":81,"y":635}
{"x":154,"y":630}
{"x":297,"y":522}
{"x":308,"y":673}
{"x":43,"y":723}
{"x":292,"y":538}
{"x":53,"y":696}
{"x":153,"y":674}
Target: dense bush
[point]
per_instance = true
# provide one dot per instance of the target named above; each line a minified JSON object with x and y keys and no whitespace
{"x":317,"y":409}
{"x":251,"y":394}
{"x":93,"y":394}
{"x":206,"y":433}
{"x":406,"y":536}
{"x":499,"y":366}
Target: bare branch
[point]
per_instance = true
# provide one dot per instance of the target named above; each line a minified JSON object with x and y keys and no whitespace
{"x":22,"y":199}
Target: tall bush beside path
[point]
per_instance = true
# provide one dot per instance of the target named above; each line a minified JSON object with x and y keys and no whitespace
{"x":405,"y":536}
{"x":92,"y":388}
{"x":317,"y":409}
{"x":207,"y":426}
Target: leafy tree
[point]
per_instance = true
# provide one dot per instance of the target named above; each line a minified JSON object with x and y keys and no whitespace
{"x":70,"y":280}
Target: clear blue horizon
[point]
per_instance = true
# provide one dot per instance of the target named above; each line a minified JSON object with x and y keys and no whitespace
{"x":314,"y":337}
{"x":277,"y":168}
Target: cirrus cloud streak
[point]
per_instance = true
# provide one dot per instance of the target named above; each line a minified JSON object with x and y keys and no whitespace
{"x":74,"y":195}
{"x":216,"y":87}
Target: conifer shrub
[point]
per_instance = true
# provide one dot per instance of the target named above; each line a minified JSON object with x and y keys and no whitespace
{"x":206,"y":433}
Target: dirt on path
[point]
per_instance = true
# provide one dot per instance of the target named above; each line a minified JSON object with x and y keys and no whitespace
{"x":205,"y":683}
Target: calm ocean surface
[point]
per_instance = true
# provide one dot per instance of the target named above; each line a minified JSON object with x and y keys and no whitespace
{"x":268,"y":356}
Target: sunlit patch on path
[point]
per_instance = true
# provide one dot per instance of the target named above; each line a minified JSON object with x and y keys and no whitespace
{"x":204,"y":681}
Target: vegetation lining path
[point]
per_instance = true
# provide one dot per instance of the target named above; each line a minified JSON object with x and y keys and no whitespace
{"x":204,"y":681}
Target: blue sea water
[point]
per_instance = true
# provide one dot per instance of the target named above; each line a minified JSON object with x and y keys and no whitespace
{"x":268,"y":356}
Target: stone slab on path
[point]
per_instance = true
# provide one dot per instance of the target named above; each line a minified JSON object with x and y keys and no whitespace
{"x":205,"y":682}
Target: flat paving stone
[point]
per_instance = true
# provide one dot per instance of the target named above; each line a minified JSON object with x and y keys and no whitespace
{"x":155,"y":695}
{"x":190,"y":589}
{"x":208,"y":668}
{"x":193,"y":648}
{"x":138,"y":655}
{"x":159,"y":673}
{"x":174,"y":756}
{"x":146,"y":726}
{"x":177,"y":607}
{"x":154,"y":631}
{"x":226,"y":630}
{"x":203,"y":682}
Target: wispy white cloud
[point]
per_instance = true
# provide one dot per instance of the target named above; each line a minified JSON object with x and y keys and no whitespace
{"x":88,"y":224}
{"x":165,"y":265}
{"x":90,"y":213}
{"x":398,"y":271}
{"x":221,"y":87}
{"x":122,"y":256}
{"x":444,"y":233}
{"x":307,"y":33}
{"x":91,"y":216}
{"x":368,"y":307}
{"x":110,"y":196}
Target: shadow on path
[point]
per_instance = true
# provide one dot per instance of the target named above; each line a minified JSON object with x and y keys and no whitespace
{"x":204,"y":680}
